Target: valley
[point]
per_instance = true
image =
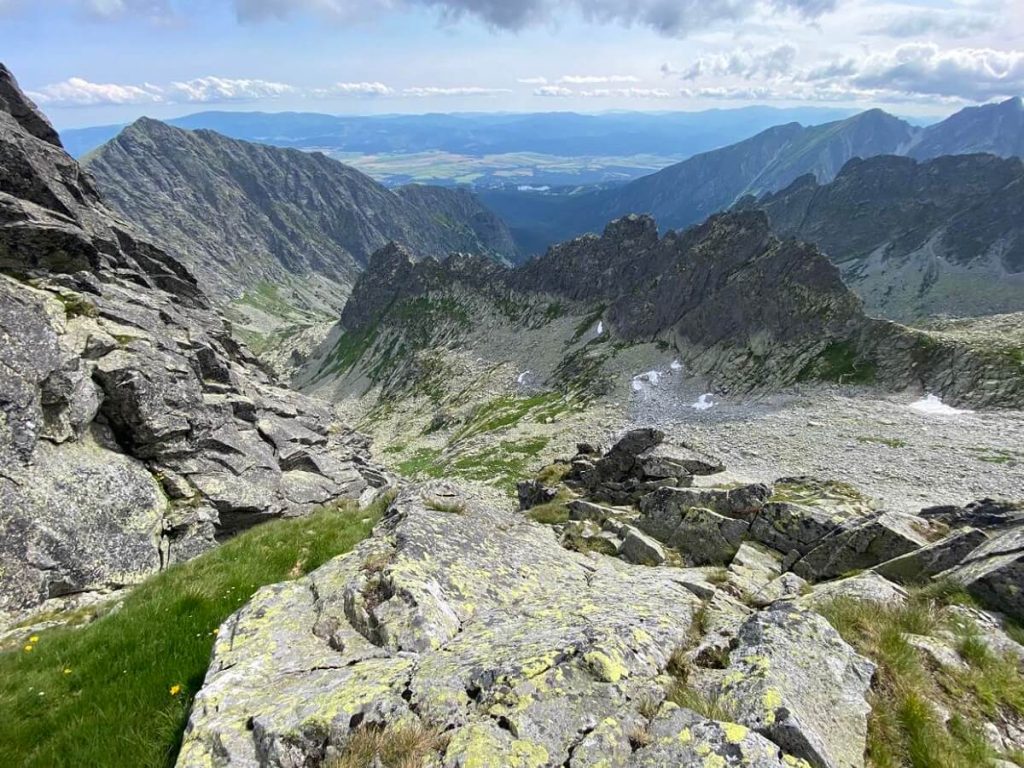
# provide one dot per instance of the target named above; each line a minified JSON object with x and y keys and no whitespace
{"x":711,"y":454}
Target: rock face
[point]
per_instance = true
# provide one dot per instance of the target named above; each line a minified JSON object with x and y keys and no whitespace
{"x":689,"y":290}
{"x":133,"y":430}
{"x":455,"y":620}
{"x":290,"y":229}
{"x":916,"y":239}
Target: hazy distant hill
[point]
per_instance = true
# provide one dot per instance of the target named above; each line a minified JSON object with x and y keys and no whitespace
{"x":940,"y":237}
{"x":285,"y":232}
{"x":557,"y":133}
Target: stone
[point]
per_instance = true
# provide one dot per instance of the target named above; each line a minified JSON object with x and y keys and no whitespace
{"x":864,"y":587}
{"x":516,"y":646}
{"x":933,"y":559}
{"x":533,"y":493}
{"x":742,"y":503}
{"x":985,"y":514}
{"x":586,"y":510}
{"x":641,"y":549}
{"x":994,"y":573}
{"x":788,"y":586}
{"x":793,"y":679}
{"x":701,"y":536}
{"x":862,"y":544}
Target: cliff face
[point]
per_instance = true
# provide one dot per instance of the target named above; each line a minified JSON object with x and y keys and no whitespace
{"x":134,"y":430}
{"x":941,"y":237}
{"x":281,"y":233}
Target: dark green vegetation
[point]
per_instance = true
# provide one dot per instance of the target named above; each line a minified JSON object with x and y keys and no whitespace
{"x":840,"y":362}
{"x":905,"y":727}
{"x":117,"y":692}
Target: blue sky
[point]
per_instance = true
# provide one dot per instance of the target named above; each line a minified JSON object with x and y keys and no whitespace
{"x":91,"y":62}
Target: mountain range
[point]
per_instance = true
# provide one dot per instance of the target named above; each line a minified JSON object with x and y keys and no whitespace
{"x":687,"y":192}
{"x":565,"y":134}
{"x":916,"y":239}
{"x":278,"y":234}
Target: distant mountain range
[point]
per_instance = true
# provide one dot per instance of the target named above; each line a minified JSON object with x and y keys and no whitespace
{"x":914,"y":240}
{"x":281,"y":233}
{"x":688,"y":192}
{"x":555,"y":133}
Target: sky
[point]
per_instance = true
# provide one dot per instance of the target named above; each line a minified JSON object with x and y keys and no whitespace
{"x":94,"y":62}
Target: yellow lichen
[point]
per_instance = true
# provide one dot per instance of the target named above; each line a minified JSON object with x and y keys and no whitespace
{"x":734,"y":732}
{"x":607,"y":667}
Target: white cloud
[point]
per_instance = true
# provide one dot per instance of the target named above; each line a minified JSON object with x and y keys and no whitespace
{"x":597,"y":79}
{"x":741,"y":62}
{"x":554,"y":91}
{"x":78,"y":92}
{"x":976,"y":74}
{"x":354,"y":89}
{"x":532,"y":81}
{"x":922,"y":22}
{"x":626,"y":93}
{"x":465,"y":90}
{"x":214,"y":89}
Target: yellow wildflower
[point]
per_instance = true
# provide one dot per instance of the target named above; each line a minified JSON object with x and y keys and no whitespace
{"x":175,"y":689}
{"x":28,"y":648}
{"x":67,"y":670}
{"x":34,"y":639}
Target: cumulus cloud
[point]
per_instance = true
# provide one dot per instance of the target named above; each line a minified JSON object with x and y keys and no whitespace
{"x":354,"y":89}
{"x":78,"y":92}
{"x":207,"y":89}
{"x":669,"y":17}
{"x":532,"y":81}
{"x":925,"y":69}
{"x":464,"y":90}
{"x":741,"y":62}
{"x":554,"y":91}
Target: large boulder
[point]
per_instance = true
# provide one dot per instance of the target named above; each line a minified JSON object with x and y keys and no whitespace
{"x":994,"y":573}
{"x":931,"y":560}
{"x":863,"y":544}
{"x":478,"y":622}
{"x":793,"y":679}
{"x":701,"y":536}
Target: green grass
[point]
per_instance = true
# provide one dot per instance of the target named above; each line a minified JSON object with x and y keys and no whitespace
{"x":840,"y":362}
{"x":101,"y":695}
{"x":905,"y":727}
{"x":889,"y":442}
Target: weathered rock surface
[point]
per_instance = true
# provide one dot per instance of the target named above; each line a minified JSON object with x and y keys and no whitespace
{"x":994,"y":573}
{"x":794,"y":680}
{"x":862,"y":544}
{"x":133,"y":430}
{"x":455,"y":619}
{"x":921,"y":564}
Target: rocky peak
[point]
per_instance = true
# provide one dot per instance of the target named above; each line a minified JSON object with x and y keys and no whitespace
{"x":15,"y":103}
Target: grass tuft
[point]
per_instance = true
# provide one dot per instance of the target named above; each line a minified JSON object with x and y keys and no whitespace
{"x":402,"y":745}
{"x":117,"y":692}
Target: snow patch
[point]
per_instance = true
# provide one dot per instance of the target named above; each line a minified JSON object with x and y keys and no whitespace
{"x":600,"y":327}
{"x":676,"y":365}
{"x":704,"y":402}
{"x":521,"y":378}
{"x":932,"y":405}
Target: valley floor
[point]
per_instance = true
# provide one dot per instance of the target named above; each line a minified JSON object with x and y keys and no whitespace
{"x":905,"y":458}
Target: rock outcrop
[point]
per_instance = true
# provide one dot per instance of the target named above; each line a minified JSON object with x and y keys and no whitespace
{"x":914,"y":240}
{"x":134,"y":431}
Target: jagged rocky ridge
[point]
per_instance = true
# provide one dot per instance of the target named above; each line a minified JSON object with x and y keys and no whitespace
{"x":281,"y":233}
{"x":516,"y":645}
{"x":746,"y":310}
{"x":134,"y":431}
{"x":940,"y":237}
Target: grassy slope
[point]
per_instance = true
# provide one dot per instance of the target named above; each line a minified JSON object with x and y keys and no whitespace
{"x":102,"y":695}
